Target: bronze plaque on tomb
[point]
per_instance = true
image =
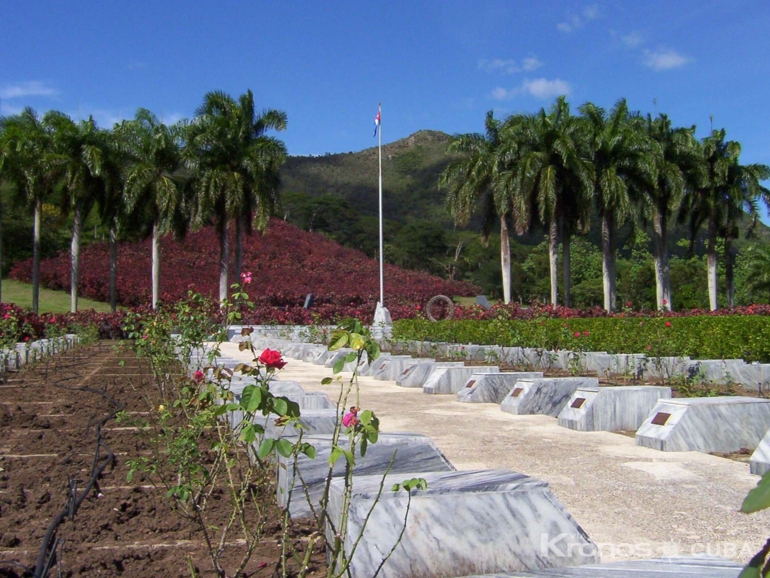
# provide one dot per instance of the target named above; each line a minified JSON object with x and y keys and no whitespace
{"x":471,"y":383}
{"x":517,"y":391}
{"x":578,"y":403}
{"x":661,"y":418}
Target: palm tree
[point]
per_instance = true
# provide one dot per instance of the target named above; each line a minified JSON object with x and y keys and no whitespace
{"x":556,"y":176}
{"x":112,"y":202}
{"x":622,"y":162}
{"x":674,"y":153}
{"x":471,"y":180}
{"x":235,"y":167}
{"x":151,"y":182}
{"x":81,"y":148}
{"x":727,"y":190}
{"x":32,"y":166}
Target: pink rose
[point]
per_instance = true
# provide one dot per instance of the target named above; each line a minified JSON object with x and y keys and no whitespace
{"x":272,"y":359}
{"x":198,"y":376}
{"x":577,"y":333}
{"x":246,"y":277}
{"x":664,"y":302}
{"x":350,"y":418}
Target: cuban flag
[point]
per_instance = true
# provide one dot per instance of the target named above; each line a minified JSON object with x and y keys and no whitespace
{"x":376,"y":123}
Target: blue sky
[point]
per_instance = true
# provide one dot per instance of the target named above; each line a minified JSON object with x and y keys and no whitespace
{"x":434,"y":65}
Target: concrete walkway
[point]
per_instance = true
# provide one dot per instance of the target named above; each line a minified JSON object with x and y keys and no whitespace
{"x":633,"y":502}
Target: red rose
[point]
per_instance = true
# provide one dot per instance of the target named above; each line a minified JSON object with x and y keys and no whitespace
{"x":668,"y":324}
{"x":586,"y":333}
{"x":272,"y":359}
{"x":577,"y":333}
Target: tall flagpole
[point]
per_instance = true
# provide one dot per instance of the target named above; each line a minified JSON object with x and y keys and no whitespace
{"x":382,"y":285}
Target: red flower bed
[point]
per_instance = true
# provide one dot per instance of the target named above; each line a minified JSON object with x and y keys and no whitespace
{"x":286,"y":264}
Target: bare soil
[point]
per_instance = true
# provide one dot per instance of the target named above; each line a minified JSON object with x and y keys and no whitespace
{"x":48,"y":422}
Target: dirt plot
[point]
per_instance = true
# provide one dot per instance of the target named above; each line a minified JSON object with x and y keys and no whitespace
{"x":49,"y":414}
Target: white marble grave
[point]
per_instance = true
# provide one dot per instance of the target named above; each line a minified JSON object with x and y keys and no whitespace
{"x":450,"y":380}
{"x":393,"y":367}
{"x":705,"y":424}
{"x":408,"y":452}
{"x":622,"y":408}
{"x":492,"y":387}
{"x":468,"y":522}
{"x":700,"y":566}
{"x":416,"y":374}
{"x":546,"y":396}
{"x":759,"y":463}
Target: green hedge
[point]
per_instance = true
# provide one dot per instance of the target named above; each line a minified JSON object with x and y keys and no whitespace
{"x":726,"y":337}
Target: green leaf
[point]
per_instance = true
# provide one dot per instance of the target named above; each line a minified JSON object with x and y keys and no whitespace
{"x":758,"y":498}
{"x":372,"y":435}
{"x":366,"y":416}
{"x":265,"y":448}
{"x":356,"y":341}
{"x":350,"y":357}
{"x":249,"y":433}
{"x":364,"y":445}
{"x":341,"y":341}
{"x":308,"y":450}
{"x":326,"y":381}
{"x":750,"y":572}
{"x":280,"y":405}
{"x":251,"y":398}
{"x":222,"y":409}
{"x":293,"y":408}
{"x":338,"y":366}
{"x":335,"y":454}
{"x":284,"y":447}
{"x":349,"y":457}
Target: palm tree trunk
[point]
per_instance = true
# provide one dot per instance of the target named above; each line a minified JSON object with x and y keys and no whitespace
{"x":566,"y":239}
{"x":77,"y":231}
{"x":224,"y":259}
{"x":505,"y":259}
{"x":113,"y":267}
{"x":662,"y":269}
{"x":155,"y":264}
{"x":609,"y":265}
{"x":711,"y":263}
{"x":238,"y":247}
{"x":730,"y":267}
{"x":553,"y":259}
{"x":36,"y":256}
{"x":2,"y":255}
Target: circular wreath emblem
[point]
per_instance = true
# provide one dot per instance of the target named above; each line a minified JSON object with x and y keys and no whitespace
{"x":439,"y":308}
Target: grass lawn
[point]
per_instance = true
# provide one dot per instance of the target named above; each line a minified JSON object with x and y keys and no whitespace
{"x":50,"y":301}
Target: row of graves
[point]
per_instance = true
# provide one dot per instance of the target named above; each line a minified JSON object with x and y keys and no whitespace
{"x":487,"y":522}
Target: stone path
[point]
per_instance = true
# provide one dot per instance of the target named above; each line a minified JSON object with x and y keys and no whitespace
{"x":633,"y":502}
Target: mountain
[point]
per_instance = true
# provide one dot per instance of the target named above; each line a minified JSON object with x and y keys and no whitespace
{"x":410,"y":170}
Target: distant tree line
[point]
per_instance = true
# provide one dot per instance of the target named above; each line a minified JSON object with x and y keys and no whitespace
{"x":145,"y":178}
{"x":555,"y":170}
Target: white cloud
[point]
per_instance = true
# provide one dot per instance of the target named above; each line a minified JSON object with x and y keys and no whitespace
{"x":575,"y":21}
{"x":531,"y":63}
{"x":24,"y":89}
{"x":591,"y":12}
{"x":9,"y":110}
{"x":544,"y":89}
{"x":509,"y":66}
{"x":664,"y":59}
{"x":541,"y":88}
{"x":499,"y":65}
{"x":503,"y":94}
{"x":632,"y":40}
